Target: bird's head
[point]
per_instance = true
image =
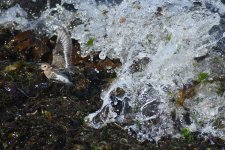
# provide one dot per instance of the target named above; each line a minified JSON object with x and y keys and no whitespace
{"x":45,"y":66}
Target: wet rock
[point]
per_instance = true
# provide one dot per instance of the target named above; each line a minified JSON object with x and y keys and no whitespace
{"x":119,"y":103}
{"x":69,"y":7}
{"x":11,"y":96}
{"x":118,"y":106}
{"x":108,"y":1}
{"x":200,"y":58}
{"x":75,"y":22}
{"x":123,"y":141}
{"x":54,"y":3}
{"x":211,"y":7}
{"x":25,"y":46}
{"x":217,"y":31}
{"x":187,"y":118}
{"x":219,"y":123}
{"x":81,"y":87}
{"x":127,"y":107}
{"x":220,"y":46}
{"x":33,"y":8}
{"x":216,"y":65}
{"x":4,"y":4}
{"x":197,"y":3}
{"x":159,"y":11}
{"x":79,"y":147}
{"x":139,"y":65}
{"x":120,"y":92}
{"x":5,"y":35}
{"x":118,"y":1}
{"x":222,"y":19}
{"x":196,"y":6}
{"x":187,"y":91}
{"x":223,"y":1}
{"x":150,"y":109}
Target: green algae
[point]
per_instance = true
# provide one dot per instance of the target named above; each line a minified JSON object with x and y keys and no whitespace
{"x":220,"y":88}
{"x":90,"y":42}
{"x":13,"y":67}
{"x":149,"y":38}
{"x":168,"y":37}
{"x":202,"y":76}
{"x":186,"y":133}
{"x":218,"y":123}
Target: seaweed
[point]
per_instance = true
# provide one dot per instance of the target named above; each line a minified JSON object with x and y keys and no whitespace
{"x":90,"y":42}
{"x":202,"y":76}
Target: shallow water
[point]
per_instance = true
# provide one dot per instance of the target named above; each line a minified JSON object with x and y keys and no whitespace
{"x":157,"y":43}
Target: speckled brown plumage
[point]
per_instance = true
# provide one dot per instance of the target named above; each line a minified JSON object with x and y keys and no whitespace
{"x":61,"y":58}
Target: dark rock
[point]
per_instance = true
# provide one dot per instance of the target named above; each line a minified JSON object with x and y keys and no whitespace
{"x":195,"y":6}
{"x":211,"y":7}
{"x":223,"y":1}
{"x":102,"y":116}
{"x":5,"y":4}
{"x":150,"y":109}
{"x":127,"y":107}
{"x":222,"y":19}
{"x":69,"y":7}
{"x":217,"y":31}
{"x":220,"y":46}
{"x":52,"y":13}
{"x":109,"y":1}
{"x":200,"y":58}
{"x":139,"y":65}
{"x":75,"y":22}
{"x":33,"y":8}
{"x":186,"y":117}
{"x":120,"y":92}
{"x":118,"y":1}
{"x":5,"y":35}
{"x":12,"y":98}
{"x":118,"y":106}
{"x":197,"y":3}
{"x":54,"y":2}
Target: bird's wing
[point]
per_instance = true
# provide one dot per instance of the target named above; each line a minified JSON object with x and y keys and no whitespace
{"x":59,"y":76}
{"x":63,"y":50}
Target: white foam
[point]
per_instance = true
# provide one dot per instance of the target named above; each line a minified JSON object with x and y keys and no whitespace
{"x":14,"y":15}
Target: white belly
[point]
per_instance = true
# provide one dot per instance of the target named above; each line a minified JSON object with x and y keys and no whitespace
{"x":63,"y":79}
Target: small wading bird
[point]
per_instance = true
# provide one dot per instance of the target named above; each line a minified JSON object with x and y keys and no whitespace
{"x":61,"y":62}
